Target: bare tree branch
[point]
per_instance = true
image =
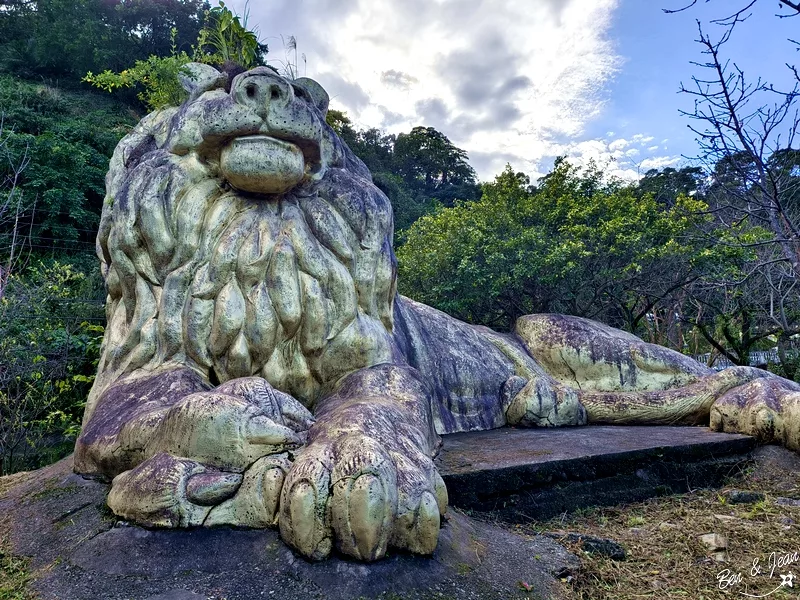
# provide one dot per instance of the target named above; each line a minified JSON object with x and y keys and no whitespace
{"x":737,"y":16}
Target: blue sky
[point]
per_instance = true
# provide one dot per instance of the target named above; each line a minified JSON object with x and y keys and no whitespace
{"x":657,"y":49}
{"x":522,"y":81}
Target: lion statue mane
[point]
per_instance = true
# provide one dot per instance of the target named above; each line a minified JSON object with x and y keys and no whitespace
{"x":259,"y":368}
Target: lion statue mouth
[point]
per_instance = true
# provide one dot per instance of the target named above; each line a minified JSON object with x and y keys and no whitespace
{"x":263,"y":164}
{"x":287,"y":147}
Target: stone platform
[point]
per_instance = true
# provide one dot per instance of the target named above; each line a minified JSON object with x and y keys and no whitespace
{"x":521,"y":475}
{"x":78,"y":550}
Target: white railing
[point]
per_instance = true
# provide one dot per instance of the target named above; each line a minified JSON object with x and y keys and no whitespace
{"x":758,"y":358}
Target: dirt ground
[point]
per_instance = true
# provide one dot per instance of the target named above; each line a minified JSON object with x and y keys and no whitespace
{"x":665,"y":555}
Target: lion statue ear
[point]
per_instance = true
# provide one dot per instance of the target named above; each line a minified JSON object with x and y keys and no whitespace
{"x":315,"y":91}
{"x":198,"y":78}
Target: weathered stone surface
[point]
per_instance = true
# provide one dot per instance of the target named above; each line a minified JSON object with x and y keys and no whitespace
{"x":262,"y":165}
{"x":197,"y":78}
{"x":714,"y":541}
{"x":524,"y":474}
{"x":685,"y":405}
{"x":787,"y":501}
{"x":177,"y":594}
{"x":768,"y":408}
{"x":59,"y":520}
{"x":591,"y":544}
{"x":245,"y":246}
{"x":462,"y":364}
{"x":742,"y":496}
{"x":592,"y":356}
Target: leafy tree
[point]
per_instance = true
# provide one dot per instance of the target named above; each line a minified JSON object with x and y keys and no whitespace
{"x":158,"y":28}
{"x":393,"y":162}
{"x":668,"y":184}
{"x":575,"y":244}
{"x":430,"y":163}
{"x":747,"y":131}
{"x":727,"y":315}
{"x":338,"y":120}
{"x":54,"y":37}
{"x":50,"y":333}
{"x":68,"y":38}
{"x":67,"y":138}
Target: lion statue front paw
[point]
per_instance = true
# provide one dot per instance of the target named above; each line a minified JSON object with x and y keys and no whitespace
{"x":366,"y":481}
{"x":216,"y":457}
{"x":362,"y":495}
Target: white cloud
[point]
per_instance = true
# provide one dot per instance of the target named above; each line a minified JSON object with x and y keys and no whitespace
{"x":501,"y":79}
{"x":619,"y":144}
{"x":617,"y":157}
{"x":659,"y":162}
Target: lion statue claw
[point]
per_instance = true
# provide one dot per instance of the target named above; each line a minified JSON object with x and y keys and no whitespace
{"x":259,"y":368}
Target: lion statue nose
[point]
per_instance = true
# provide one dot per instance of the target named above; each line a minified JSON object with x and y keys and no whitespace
{"x":260,"y":88}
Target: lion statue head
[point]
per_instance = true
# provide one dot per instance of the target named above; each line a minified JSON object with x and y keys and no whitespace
{"x":240,"y":236}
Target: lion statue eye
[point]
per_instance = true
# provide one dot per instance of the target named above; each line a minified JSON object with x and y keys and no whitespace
{"x":312,"y":92}
{"x":300,"y":92}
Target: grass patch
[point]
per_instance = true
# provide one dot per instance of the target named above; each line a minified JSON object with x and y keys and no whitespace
{"x":666,"y":558}
{"x":14,"y":571}
{"x":14,"y":576}
{"x":52,"y":489}
{"x":9,"y":481}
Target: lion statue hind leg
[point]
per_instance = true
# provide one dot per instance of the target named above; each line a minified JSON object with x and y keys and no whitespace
{"x":620,"y":379}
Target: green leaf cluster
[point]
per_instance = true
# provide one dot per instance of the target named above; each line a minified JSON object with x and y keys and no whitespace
{"x":225,"y":39}
{"x":575,"y":244}
{"x":68,"y":138}
{"x":51,"y":328}
{"x":157,"y":76}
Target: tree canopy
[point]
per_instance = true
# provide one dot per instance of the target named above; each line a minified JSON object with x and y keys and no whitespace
{"x":418,"y":171}
{"x":576,"y":244}
{"x":68,"y":38}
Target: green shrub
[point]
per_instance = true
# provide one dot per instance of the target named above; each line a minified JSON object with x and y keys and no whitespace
{"x":51,"y":327}
{"x":67,"y":137}
{"x":157,"y":76}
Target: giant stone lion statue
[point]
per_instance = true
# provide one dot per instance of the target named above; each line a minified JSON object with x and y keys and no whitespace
{"x":259,"y":368}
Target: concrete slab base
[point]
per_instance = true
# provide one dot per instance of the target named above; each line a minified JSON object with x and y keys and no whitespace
{"x":79,"y":551}
{"x":521,"y":475}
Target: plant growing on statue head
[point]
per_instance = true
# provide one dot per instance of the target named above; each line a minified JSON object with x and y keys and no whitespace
{"x":290,"y":66}
{"x":225,"y":39}
{"x":157,"y":76}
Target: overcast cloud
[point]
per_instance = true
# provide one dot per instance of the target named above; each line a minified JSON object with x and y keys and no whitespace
{"x":513,"y":81}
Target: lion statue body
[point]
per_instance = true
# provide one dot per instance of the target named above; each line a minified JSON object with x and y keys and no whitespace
{"x":259,"y":368}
